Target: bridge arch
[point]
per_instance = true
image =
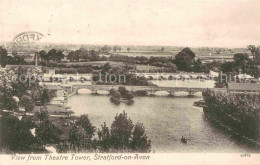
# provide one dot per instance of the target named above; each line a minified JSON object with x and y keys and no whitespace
{"x":161,"y":93}
{"x":83,"y":91}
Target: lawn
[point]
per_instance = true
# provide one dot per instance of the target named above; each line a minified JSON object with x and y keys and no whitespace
{"x":146,"y":67}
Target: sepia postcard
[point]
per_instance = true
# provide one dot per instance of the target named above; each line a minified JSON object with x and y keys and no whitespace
{"x":149,"y":82}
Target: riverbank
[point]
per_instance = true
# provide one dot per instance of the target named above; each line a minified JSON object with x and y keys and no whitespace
{"x":231,"y":130}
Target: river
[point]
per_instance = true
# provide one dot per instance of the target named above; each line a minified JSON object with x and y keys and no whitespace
{"x":166,"y":120}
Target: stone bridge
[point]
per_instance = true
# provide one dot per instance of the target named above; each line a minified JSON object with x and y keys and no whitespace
{"x":150,"y":89}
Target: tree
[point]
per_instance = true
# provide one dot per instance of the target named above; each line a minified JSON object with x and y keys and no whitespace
{"x":128,"y":49}
{"x":228,"y":67}
{"x":52,"y":54}
{"x":106,"y":68}
{"x":105,"y":49}
{"x":78,"y":139}
{"x":104,"y":138}
{"x":129,"y":95}
{"x":121,"y":131}
{"x":198,"y":66}
{"x":140,"y":142}
{"x":45,"y":98}
{"x":162,"y":49}
{"x":6,"y":98}
{"x":44,"y":56}
{"x":171,"y":66}
{"x":103,"y":58}
{"x":86,"y":124}
{"x":71,"y":56}
{"x":115,"y":48}
{"x":27,"y":103}
{"x":3,"y":57}
{"x":241,"y":60}
{"x":255,"y":51}
{"x":15,"y":134}
{"x":42,"y":115}
{"x":115,"y":94}
{"x":94,"y":55}
{"x":77,"y":55}
{"x":122,"y":90}
{"x":59,"y":56}
{"x":119,"y":48}
{"x":184,"y":59}
{"x":47,"y":133}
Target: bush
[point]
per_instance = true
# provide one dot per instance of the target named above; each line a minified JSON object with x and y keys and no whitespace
{"x":240,"y":111}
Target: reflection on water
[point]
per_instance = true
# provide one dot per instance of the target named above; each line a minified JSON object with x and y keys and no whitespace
{"x":166,"y":120}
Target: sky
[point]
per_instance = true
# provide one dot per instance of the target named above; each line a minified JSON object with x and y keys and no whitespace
{"x":194,"y":23}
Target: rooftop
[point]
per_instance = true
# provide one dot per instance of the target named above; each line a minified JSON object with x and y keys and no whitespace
{"x":250,"y":87}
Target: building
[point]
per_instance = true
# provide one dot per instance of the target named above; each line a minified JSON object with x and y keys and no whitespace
{"x":243,"y":87}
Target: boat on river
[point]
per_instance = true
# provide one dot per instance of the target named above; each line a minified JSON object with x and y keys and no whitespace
{"x":200,"y":103}
{"x":184,"y":140}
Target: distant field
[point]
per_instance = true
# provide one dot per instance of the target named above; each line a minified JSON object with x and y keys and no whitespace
{"x":146,"y":53}
{"x":95,"y":63}
{"x":200,"y":54}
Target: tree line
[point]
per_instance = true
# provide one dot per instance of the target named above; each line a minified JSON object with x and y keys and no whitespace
{"x":239,"y":111}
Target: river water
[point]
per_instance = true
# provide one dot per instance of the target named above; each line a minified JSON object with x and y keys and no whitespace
{"x":166,"y":120}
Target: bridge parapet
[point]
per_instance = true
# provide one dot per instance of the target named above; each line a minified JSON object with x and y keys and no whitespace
{"x":150,"y":89}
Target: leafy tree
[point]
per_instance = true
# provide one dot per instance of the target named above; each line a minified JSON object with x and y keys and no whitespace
{"x":44,"y":56}
{"x":129,"y":95}
{"x":128,"y":49}
{"x":27,"y":103}
{"x":228,"y":67}
{"x":115,"y":48}
{"x":86,"y":124}
{"x":78,"y":139}
{"x":42,"y":115}
{"x":3,"y":57}
{"x":104,"y":138}
{"x":94,"y":55}
{"x":52,"y":54}
{"x":115,"y":94}
{"x":103,"y":58}
{"x":172,"y":67}
{"x":106,"y":68}
{"x":105,"y":49}
{"x":71,"y":56}
{"x":59,"y":56}
{"x":46,"y":96}
{"x":77,"y":55}
{"x":21,"y":85}
{"x":140,"y":142}
{"x":6,"y":98}
{"x":121,"y":131}
{"x":184,"y":59}
{"x":241,"y":60}
{"x":162,"y":49}
{"x":122,"y":90}
{"x":47,"y":133}
{"x":255,"y":51}
{"x":197,"y":67}
{"x":15,"y":135}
